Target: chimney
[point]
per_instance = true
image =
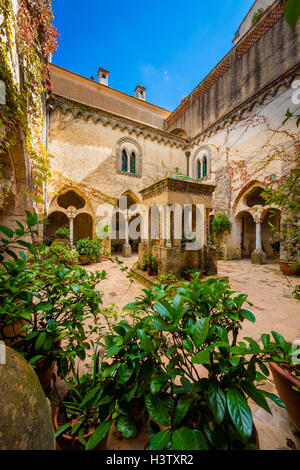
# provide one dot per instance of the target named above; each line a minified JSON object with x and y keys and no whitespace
{"x":140,"y":92}
{"x":103,"y":76}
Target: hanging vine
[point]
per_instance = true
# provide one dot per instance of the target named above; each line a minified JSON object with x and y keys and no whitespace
{"x":28,"y":38}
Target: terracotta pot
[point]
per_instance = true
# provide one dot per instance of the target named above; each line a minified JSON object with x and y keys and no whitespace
{"x":84,"y":259}
{"x":44,"y":375}
{"x":150,"y":271}
{"x":13,"y":334}
{"x":67,"y":442}
{"x":286,"y":268}
{"x":291,"y":398}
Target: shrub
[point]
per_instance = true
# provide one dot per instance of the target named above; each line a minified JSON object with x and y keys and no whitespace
{"x":53,"y":298}
{"x":90,"y":248}
{"x":256,"y":16}
{"x":190,"y":410}
{"x":62,"y":254}
{"x":167,"y":278}
{"x":221,"y":225}
{"x":63,"y":232}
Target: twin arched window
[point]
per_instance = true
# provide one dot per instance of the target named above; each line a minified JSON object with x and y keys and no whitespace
{"x":128,"y":164}
{"x":202,"y":167}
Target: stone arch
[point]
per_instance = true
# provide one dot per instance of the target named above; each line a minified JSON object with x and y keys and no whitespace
{"x":240,"y":202}
{"x":126,"y":147}
{"x":84,"y":216}
{"x":202,"y":159}
{"x":15,"y":181}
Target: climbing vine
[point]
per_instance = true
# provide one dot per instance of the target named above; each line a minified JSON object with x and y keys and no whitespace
{"x":29,"y":38}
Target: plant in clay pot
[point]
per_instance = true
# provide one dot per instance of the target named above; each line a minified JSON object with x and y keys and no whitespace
{"x":285,"y":369}
{"x":52,"y":299}
{"x":90,"y":251}
{"x":150,"y":261}
{"x":63,"y":232}
{"x":203,"y":377}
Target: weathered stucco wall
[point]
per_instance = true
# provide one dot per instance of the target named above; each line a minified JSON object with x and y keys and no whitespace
{"x":248,"y":152}
{"x":86,"y":152}
{"x":246,"y":70}
{"x":90,"y":92}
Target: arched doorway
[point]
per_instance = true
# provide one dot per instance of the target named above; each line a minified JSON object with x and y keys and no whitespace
{"x":270,"y":231}
{"x":127,"y":225}
{"x":54,"y":221}
{"x":70,"y":207}
{"x":248,"y":234}
{"x":83,"y":226}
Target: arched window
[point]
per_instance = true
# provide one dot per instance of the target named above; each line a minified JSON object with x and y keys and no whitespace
{"x":204,"y":166}
{"x":198,"y":169}
{"x":132,"y":162}
{"x":124,"y":161}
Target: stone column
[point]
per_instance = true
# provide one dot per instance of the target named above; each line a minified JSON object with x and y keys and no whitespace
{"x":258,"y":256}
{"x":166,"y":224}
{"x":126,"y":250}
{"x":71,"y":213}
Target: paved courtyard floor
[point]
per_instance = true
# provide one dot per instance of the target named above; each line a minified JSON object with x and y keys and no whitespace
{"x":275,"y":310}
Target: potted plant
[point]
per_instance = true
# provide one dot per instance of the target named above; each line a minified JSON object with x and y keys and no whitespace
{"x":150,"y":261}
{"x":63,"y":232}
{"x":54,"y":299}
{"x":82,"y":419}
{"x":90,"y":251}
{"x":221,"y":226}
{"x":199,"y":326}
{"x":190,"y":273}
{"x":290,"y":247}
{"x":285,"y":370}
{"x":167,"y":278}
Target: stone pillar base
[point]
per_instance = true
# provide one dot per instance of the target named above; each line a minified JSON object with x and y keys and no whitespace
{"x":211,"y":264}
{"x":258,"y":257}
{"x":169,"y":260}
{"x":143,"y":249}
{"x":126,"y":250}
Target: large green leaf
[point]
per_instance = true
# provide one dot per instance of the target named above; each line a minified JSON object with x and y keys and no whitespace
{"x":256,"y":395}
{"x":182,"y":407}
{"x":240,"y":412}
{"x":160,"y":440}
{"x":157,"y":409}
{"x":184,"y":439}
{"x":123,"y":375}
{"x":164,"y":309}
{"x":274,"y":398}
{"x":292,"y":13}
{"x":126,"y":426}
{"x":202,"y":357}
{"x":99,"y":434}
{"x":200,"y":331}
{"x":217,"y":401}
{"x":7,"y":231}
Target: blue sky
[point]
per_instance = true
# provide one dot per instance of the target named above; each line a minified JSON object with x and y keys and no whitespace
{"x":168,"y":46}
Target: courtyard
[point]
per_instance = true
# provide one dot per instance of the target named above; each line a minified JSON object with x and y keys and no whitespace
{"x":149,"y":226}
{"x":275,"y":309}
